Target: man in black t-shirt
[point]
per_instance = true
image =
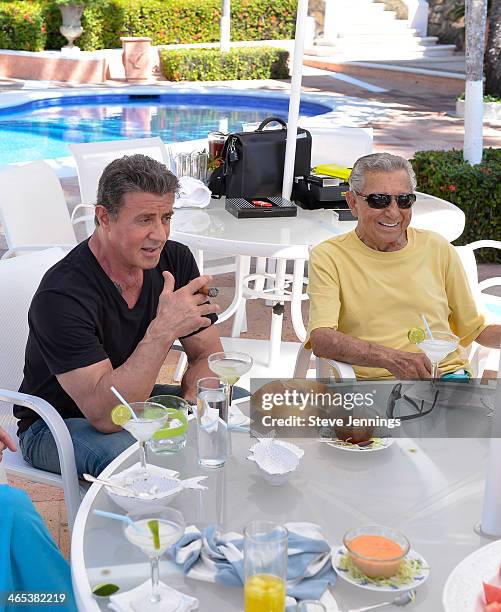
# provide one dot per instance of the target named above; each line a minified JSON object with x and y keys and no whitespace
{"x":108,"y":313}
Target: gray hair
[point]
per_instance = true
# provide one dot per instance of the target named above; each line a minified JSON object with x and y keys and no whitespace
{"x":132,"y":174}
{"x":379,"y":162}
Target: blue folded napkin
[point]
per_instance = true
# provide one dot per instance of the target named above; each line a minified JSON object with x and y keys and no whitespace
{"x":218,"y":557}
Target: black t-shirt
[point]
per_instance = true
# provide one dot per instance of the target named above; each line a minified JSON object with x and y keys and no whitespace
{"x":77,"y":317}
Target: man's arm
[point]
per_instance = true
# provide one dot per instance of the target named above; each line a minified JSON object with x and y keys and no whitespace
{"x":179,"y":313}
{"x":198,"y":347}
{"x":332,"y":344}
{"x":490,"y":336}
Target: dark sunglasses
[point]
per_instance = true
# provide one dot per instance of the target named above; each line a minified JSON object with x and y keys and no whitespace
{"x":383,"y":200}
{"x":396,"y":395}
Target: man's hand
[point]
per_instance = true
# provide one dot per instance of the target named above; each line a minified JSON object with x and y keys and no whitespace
{"x":6,"y":442}
{"x":181,"y":312}
{"x":409,"y":366}
{"x":332,"y":344}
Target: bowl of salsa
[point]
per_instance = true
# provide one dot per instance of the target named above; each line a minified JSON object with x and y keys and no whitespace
{"x":375,"y":550}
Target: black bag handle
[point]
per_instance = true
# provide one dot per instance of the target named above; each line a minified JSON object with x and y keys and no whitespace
{"x":271,"y":120}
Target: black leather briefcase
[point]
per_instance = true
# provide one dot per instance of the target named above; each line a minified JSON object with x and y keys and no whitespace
{"x":254,"y":162}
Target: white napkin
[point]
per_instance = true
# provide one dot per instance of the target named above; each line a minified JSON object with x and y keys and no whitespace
{"x":192,"y":192}
{"x":137,"y":600}
{"x":237,"y":420}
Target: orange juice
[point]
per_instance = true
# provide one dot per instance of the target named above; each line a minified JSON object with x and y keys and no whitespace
{"x":264,"y":593}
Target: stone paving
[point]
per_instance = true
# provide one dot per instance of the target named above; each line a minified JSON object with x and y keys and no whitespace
{"x":417,"y":119}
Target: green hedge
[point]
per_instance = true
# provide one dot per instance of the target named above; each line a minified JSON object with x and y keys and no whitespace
{"x":165,"y":21}
{"x":22,"y":26}
{"x":212,"y":65}
{"x":474,"y":189}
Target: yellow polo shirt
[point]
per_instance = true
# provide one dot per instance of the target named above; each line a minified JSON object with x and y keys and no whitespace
{"x":378,"y":296}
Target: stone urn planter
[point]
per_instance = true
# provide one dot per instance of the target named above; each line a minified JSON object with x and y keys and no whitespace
{"x":71,"y":28}
{"x":492,"y":111}
{"x":136,"y":58}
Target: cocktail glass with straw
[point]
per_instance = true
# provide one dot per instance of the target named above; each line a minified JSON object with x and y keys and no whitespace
{"x":150,"y":417}
{"x":230,"y":366}
{"x":437,"y":345}
{"x":154,"y":532}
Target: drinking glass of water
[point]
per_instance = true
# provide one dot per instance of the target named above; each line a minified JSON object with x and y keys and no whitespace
{"x":212,"y":422}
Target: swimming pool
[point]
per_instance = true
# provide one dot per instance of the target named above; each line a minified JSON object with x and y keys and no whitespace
{"x":41,"y":129}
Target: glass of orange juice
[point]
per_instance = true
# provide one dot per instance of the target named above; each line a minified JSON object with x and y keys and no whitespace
{"x":265,"y":566}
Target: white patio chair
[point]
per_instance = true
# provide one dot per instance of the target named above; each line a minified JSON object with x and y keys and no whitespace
{"x":480,"y":357}
{"x":332,"y":144}
{"x":92,"y":158}
{"x":19,"y":279}
{"x":33,"y":209}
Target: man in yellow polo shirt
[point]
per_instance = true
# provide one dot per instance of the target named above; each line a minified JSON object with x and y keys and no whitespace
{"x":367,"y":288}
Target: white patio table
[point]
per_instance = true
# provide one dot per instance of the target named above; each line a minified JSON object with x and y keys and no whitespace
{"x":287,"y":238}
{"x":431,"y":489}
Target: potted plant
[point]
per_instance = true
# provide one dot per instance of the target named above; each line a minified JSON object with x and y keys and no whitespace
{"x":71,"y":28}
{"x":492,"y":107}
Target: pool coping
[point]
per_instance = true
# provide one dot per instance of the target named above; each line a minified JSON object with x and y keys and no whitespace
{"x":65,"y":166}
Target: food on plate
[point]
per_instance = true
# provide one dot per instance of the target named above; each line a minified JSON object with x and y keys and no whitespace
{"x":350,"y":432}
{"x":492,"y":593}
{"x":375,"y":555}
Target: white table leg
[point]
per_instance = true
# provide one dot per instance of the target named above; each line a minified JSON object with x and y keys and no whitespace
{"x":238,"y":304}
{"x":277,"y":319}
{"x":297,"y":291}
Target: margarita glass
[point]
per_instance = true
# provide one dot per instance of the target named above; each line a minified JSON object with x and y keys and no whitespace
{"x":154,"y":532}
{"x":150,"y":418}
{"x":230,"y":366}
{"x":438,"y":347}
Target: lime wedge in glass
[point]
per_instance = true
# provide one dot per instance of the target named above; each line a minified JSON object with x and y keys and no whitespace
{"x":105,"y":589}
{"x":153,"y":525}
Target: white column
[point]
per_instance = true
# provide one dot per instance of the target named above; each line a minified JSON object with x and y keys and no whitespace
{"x":332,"y":20}
{"x":417,"y":18}
{"x":473,"y":120}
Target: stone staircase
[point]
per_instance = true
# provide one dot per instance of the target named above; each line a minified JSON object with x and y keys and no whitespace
{"x":362,"y":30}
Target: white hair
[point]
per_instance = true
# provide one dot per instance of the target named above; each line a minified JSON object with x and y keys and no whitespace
{"x":379,"y":162}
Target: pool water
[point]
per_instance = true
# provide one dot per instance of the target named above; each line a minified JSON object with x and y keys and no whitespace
{"x":42,"y":129}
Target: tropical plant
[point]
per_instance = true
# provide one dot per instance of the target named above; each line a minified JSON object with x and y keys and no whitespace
{"x":476,"y":190}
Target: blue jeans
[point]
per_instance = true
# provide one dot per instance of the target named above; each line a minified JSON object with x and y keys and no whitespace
{"x":93,"y":450}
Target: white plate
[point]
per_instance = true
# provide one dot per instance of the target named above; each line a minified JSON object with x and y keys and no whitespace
{"x":463,"y":590}
{"x":386,"y":442}
{"x":339,"y":551}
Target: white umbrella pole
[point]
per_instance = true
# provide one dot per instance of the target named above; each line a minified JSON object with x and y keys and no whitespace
{"x":491,"y":514}
{"x":225,"y":25}
{"x":297,"y":73}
